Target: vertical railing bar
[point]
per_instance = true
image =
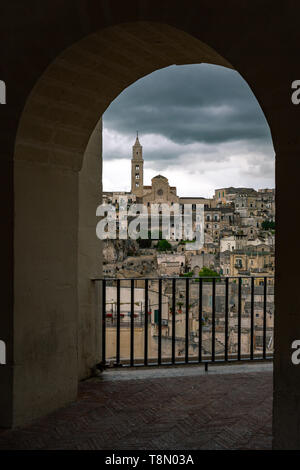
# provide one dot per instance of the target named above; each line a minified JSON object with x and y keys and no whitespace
{"x":239,"y":317}
{"x":200,"y":320}
{"x":226,"y":319}
{"x":132,"y":324}
{"x":173,"y":319}
{"x":213,"y":333}
{"x":252,"y":320}
{"x":159,"y":320}
{"x":265,"y":319}
{"x":146,"y":325}
{"x":118,"y":322}
{"x":103,"y":321}
{"x":187,"y":301}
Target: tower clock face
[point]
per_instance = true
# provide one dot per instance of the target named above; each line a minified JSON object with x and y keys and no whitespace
{"x":160,"y":192}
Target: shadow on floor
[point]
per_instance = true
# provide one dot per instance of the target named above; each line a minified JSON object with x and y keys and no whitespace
{"x":171,"y":412}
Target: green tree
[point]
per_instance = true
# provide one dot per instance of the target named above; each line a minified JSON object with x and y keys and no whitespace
{"x":163,"y":245}
{"x":189,"y":274}
{"x":206,"y":272}
{"x":268,"y":225}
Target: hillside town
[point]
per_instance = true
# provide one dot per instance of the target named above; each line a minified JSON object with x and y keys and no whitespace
{"x":239,"y":231}
{"x":239,"y":240}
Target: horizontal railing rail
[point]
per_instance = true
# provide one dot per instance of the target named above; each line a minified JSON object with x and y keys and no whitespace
{"x":207,"y":319}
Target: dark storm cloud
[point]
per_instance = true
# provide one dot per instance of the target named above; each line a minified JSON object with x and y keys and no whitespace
{"x":190,"y":104}
{"x":200,"y":126}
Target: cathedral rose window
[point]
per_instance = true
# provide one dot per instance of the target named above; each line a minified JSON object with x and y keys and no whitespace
{"x":160,"y":192}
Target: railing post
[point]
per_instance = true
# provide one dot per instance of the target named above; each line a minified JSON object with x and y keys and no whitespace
{"x":173,"y":319}
{"x":103,"y":322}
{"x":187,"y":301}
{"x":239,"y":317}
{"x":226,"y":318}
{"x":213,"y":319}
{"x":146,"y":324}
{"x":252,"y":321}
{"x":118,"y":323}
{"x":265,"y":319}
{"x":159,"y":319}
{"x":132,"y":323}
{"x":200,"y":321}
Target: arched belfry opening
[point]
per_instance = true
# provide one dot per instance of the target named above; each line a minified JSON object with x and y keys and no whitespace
{"x":53,"y":332}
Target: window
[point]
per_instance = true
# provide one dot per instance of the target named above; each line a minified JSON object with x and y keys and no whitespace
{"x":137,"y":185}
{"x":137,"y":167}
{"x":137,"y":176}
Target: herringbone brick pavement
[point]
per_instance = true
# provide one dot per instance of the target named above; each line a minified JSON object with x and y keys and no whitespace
{"x":231,"y":411}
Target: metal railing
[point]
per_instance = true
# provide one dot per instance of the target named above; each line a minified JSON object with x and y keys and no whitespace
{"x":223,"y":309}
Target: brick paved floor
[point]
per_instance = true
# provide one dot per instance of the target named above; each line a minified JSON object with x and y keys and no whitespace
{"x":188,"y":410}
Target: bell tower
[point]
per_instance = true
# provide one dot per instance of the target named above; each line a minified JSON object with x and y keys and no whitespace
{"x":137,"y":168}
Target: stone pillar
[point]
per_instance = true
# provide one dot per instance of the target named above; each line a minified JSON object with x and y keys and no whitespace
{"x":286,"y":405}
{"x":45,"y":367}
{"x":53,"y":334}
{"x":89,"y":256}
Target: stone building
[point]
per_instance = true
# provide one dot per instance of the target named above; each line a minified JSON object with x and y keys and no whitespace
{"x":170,"y":264}
{"x":160,"y":191}
{"x":252,"y":260}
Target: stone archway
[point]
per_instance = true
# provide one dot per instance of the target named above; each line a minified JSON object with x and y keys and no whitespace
{"x":55,"y":178}
{"x":87,"y":71}
{"x":56,"y":186}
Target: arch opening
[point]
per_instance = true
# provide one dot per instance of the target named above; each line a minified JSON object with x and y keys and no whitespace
{"x":174,"y":137}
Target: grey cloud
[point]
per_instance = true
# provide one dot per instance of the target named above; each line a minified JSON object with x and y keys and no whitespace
{"x":202,"y":114}
{"x":186,"y":104}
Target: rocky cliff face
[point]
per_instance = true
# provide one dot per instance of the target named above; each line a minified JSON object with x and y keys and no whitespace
{"x":118,"y":250}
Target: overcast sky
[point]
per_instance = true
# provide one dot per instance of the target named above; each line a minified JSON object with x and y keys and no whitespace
{"x":199,"y":125}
